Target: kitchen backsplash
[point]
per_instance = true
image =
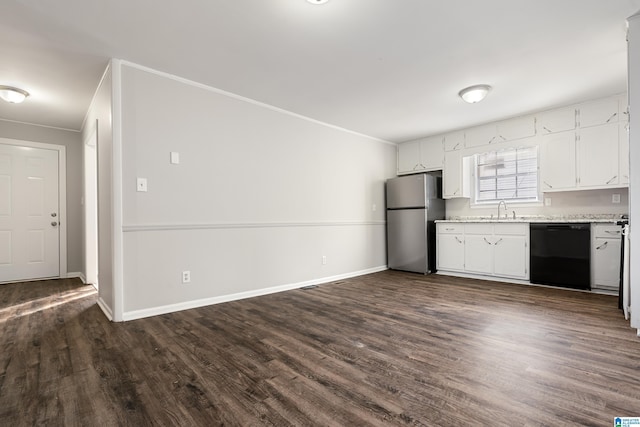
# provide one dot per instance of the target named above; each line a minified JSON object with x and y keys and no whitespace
{"x":585,"y":202}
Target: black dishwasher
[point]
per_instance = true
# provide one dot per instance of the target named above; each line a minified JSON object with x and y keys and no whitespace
{"x":561,"y":254}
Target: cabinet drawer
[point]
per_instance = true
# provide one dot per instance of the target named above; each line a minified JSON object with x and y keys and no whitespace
{"x":607,"y":231}
{"x":478,"y":228}
{"x":511,"y":229}
{"x":450,"y":228}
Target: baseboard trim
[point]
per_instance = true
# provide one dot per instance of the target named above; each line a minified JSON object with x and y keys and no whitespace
{"x":171,"y":308}
{"x":78,"y":275}
{"x":105,"y":309}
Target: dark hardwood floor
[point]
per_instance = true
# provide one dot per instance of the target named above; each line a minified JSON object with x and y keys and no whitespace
{"x":389,"y":348}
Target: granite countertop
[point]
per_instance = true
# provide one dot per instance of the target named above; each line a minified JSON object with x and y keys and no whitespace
{"x":606,"y":218}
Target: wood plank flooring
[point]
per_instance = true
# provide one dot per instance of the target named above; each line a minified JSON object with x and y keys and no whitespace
{"x":389,"y":348}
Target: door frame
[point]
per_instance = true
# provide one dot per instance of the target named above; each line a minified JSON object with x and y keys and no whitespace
{"x":62,"y":194}
{"x":90,"y":173}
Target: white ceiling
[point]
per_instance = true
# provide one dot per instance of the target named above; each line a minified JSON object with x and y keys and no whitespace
{"x":385,"y":68}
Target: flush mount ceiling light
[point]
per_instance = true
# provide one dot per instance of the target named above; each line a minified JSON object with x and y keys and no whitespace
{"x":13,"y":95}
{"x":473,"y":94}
{"x":317,"y":1}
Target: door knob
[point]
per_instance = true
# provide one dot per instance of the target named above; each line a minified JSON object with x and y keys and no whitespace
{"x":54,"y":223}
{"x":53,"y":214}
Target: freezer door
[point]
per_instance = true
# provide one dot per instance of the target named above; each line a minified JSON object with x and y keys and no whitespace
{"x":407,"y":192}
{"x":407,"y":248}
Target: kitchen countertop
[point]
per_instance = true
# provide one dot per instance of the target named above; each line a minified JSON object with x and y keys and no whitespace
{"x":612,"y":219}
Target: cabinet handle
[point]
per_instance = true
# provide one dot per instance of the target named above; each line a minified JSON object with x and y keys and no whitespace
{"x":612,"y":116}
{"x":449,"y":229}
{"x":611,"y":180}
{"x":456,"y":192}
{"x":547,"y":184}
{"x":491,"y":140}
{"x":458,"y":240}
{"x":455,"y":147}
{"x":499,"y":240}
{"x":612,"y":232}
{"x":602,"y":246}
{"x":547,"y":129}
{"x":488,"y":242}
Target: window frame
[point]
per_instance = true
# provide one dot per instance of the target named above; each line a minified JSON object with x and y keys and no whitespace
{"x":476,"y":201}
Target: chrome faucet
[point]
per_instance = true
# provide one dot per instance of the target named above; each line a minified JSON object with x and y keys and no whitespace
{"x":502,"y":202}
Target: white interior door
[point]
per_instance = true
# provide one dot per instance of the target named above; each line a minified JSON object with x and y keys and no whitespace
{"x":29,"y":213}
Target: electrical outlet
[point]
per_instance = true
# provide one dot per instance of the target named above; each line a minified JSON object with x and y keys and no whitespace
{"x":141,"y":184}
{"x":615,"y":198}
{"x":324,"y":260}
{"x":547,"y":201}
{"x":374,"y":207}
{"x":186,"y":276}
{"x":174,"y":158}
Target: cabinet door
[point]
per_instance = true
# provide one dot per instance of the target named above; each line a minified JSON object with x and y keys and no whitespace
{"x":408,"y":157}
{"x":452,"y":175}
{"x":478,"y":254}
{"x":481,"y":135}
{"x":450,"y":249}
{"x":521,"y":127}
{"x":511,"y":257}
{"x":599,"y":112}
{"x":598,"y":156}
{"x":431,"y":153}
{"x":558,"y":161}
{"x":454,"y":141}
{"x":557,"y":121}
{"x":606,"y":263}
{"x":623,"y":144}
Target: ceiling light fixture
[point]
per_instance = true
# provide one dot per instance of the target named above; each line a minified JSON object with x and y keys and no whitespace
{"x":317,"y":1}
{"x":13,"y":95}
{"x":473,"y":94}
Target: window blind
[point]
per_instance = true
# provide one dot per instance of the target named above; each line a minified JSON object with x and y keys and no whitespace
{"x":510,"y":174}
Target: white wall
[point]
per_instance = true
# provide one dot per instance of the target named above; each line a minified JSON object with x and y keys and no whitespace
{"x":73,"y":143}
{"x":634,"y":161}
{"x":259,"y":197}
{"x":100,"y":115}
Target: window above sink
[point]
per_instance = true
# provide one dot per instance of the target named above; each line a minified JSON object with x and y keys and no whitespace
{"x":510,"y":174}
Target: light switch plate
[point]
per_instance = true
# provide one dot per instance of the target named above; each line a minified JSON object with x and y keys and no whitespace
{"x":141,"y":184}
{"x":547,"y":201}
{"x":175,"y":158}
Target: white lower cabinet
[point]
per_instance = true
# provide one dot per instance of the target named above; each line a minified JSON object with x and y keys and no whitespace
{"x":450,"y":247}
{"x":478,"y":248}
{"x":606,"y":241}
{"x":511,"y":251}
{"x":492,"y":249}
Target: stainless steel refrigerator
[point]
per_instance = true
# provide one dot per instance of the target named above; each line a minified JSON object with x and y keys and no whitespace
{"x":414,"y":202}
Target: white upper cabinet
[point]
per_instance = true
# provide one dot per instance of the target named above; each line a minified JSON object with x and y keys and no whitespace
{"x":556,"y":121}
{"x":455,"y":175}
{"x":408,"y":156}
{"x":432,"y":153}
{"x":520,"y":127}
{"x":558,"y":161}
{"x":426,"y":154}
{"x":481,"y":135}
{"x":624,"y":153}
{"x":454,"y":141}
{"x":507,"y":130}
{"x":599,"y":112}
{"x":598,"y":156}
